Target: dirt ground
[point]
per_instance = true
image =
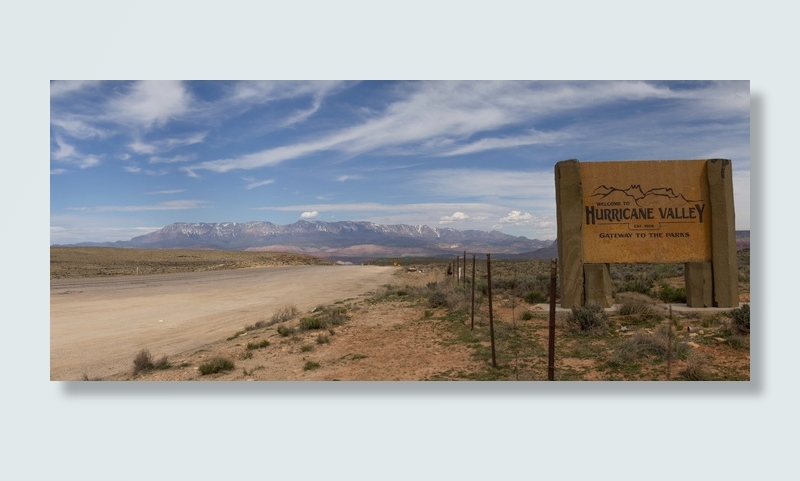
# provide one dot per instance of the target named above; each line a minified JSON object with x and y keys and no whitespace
{"x":98,"y":325}
{"x":393,"y":336}
{"x":385,"y":340}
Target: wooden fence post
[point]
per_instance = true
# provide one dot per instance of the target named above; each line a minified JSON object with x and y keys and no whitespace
{"x":491,"y":321}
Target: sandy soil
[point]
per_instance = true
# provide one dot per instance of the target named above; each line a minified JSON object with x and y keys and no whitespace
{"x":98,"y":325}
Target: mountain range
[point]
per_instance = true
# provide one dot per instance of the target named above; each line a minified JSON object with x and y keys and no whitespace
{"x":335,"y":240}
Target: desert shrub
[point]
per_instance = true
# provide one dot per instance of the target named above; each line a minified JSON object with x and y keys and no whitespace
{"x":590,"y":318}
{"x":257,"y":345}
{"x":162,"y":363}
{"x":535,"y":297}
{"x":216,"y":365}
{"x":323,"y":339}
{"x":696,"y":364}
{"x":636,"y":284}
{"x":306,"y":347}
{"x":334,"y":316}
{"x":643,"y":344}
{"x":527,"y":316}
{"x":143,"y":362}
{"x":671,"y":294}
{"x":284,"y":314}
{"x":310,"y":365}
{"x":309,"y":323}
{"x":437,"y":299}
{"x":252,"y":327}
{"x":740,"y":318}
{"x":633,"y":307}
{"x":285,"y":331}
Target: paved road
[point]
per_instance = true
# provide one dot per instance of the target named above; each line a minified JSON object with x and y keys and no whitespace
{"x":98,"y":325}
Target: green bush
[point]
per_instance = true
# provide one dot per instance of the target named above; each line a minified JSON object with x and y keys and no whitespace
{"x":437,"y":299}
{"x":285,"y":331}
{"x":527,"y":316}
{"x":309,"y":365}
{"x":535,"y":297}
{"x":590,"y":318}
{"x":309,"y":323}
{"x":257,"y":345}
{"x":216,"y":365}
{"x":143,"y":362}
{"x":696,"y":368}
{"x":671,"y":294}
{"x":741,"y":318}
{"x":284,"y":313}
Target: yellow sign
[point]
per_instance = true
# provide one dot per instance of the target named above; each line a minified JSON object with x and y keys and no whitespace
{"x":645,"y":212}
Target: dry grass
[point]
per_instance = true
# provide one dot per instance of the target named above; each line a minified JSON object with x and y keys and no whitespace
{"x":71,"y":262}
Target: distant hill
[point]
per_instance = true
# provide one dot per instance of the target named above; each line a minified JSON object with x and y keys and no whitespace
{"x":333,"y":240}
{"x":348,"y":240}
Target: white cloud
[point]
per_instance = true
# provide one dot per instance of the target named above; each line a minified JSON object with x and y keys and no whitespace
{"x":57,"y":171}
{"x":149,"y":103}
{"x":456,"y":217}
{"x":141,"y":148}
{"x":516,"y":217}
{"x":309,"y":215}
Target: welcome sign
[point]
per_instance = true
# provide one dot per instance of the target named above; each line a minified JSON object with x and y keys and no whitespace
{"x":645,"y":212}
{"x":654,"y":211}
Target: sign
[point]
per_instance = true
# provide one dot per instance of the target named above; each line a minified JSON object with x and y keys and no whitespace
{"x":645,"y":212}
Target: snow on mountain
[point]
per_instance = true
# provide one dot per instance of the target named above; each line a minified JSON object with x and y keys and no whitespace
{"x":331,"y":238}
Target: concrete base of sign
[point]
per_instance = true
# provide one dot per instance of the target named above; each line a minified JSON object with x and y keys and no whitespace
{"x":597,"y":284}
{"x":699,"y":284}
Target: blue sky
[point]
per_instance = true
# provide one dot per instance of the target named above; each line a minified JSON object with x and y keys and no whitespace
{"x":127,"y":158}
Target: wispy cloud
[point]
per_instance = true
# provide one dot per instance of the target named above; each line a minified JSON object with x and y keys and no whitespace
{"x":156,"y":159}
{"x":59,"y":88}
{"x":169,"y":205}
{"x":252,"y":183}
{"x":345,"y":178}
{"x":79,"y":129}
{"x":495,"y":143}
{"x":436,"y":115}
{"x":511,"y":185}
{"x":68,"y":154}
{"x":133,"y":169}
{"x":166,"y":192}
